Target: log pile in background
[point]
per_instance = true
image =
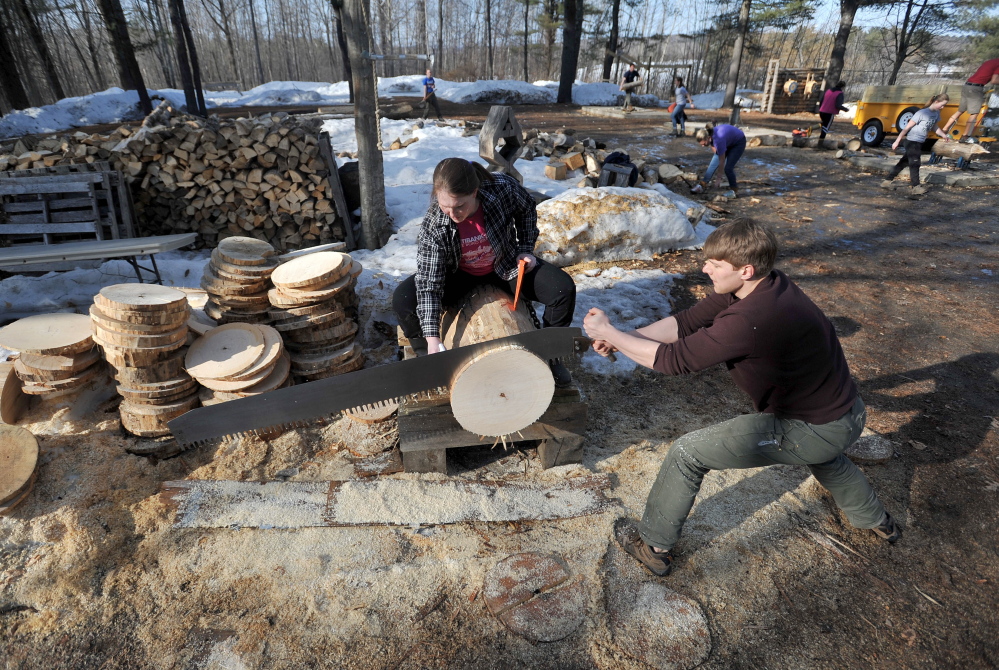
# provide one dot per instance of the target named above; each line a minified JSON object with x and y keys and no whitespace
{"x":562,"y":149}
{"x":57,"y":353}
{"x":237,"y":279}
{"x":142,"y":330}
{"x":238,"y":360}
{"x":260,"y":177}
{"x":314,"y":305}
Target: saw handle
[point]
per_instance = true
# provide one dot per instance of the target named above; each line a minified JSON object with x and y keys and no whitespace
{"x":521,"y":266}
{"x":584,"y":343}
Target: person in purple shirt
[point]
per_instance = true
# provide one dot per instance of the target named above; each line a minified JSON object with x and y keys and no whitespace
{"x":728,"y":143}
{"x":784,"y":353}
{"x":832,"y":104}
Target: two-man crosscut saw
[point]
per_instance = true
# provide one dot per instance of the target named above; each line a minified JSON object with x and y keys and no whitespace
{"x":305,"y":404}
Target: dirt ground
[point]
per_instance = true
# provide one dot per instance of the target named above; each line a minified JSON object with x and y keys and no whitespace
{"x":93,"y":575}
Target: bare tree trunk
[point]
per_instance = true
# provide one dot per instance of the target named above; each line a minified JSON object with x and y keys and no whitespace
{"x":256,"y":44}
{"x":76,"y":48}
{"x":527,"y":35}
{"x":183,"y":62}
{"x":192,"y":53}
{"x":341,"y":41}
{"x":162,"y":43}
{"x":847,"y":13}
{"x":9,"y":81}
{"x":612,"y":39}
{"x":369,"y":156}
{"x":48,"y":63}
{"x":128,"y":67}
{"x":439,"y":63}
{"x":226,"y":30}
{"x":733,"y":70}
{"x":84,"y":15}
{"x":489,"y":39}
{"x":421,"y":27}
{"x":572,"y":32}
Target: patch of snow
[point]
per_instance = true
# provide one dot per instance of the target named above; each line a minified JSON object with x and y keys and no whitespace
{"x":715,"y":99}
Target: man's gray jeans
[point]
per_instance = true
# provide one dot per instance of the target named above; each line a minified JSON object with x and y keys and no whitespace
{"x":752,"y":441}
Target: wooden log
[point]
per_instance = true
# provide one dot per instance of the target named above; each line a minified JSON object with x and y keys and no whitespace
{"x":768,"y":141}
{"x":13,"y":401}
{"x":957,"y":150}
{"x":504,"y":389}
{"x":854,"y":144}
{"x":49,"y":334}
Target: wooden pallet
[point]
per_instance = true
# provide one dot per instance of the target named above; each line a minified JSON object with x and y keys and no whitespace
{"x":427,"y":429}
{"x":65,"y":203}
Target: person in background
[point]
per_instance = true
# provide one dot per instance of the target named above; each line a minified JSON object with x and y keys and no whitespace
{"x":783,"y":352}
{"x":630,"y":81}
{"x":728,"y":143}
{"x":912,"y":138}
{"x":683,"y":100}
{"x":973,"y":97}
{"x":430,"y":96}
{"x":832,"y":104}
{"x":478,"y":226}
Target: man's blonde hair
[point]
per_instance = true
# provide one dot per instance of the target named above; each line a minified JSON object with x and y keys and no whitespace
{"x":744,"y":242}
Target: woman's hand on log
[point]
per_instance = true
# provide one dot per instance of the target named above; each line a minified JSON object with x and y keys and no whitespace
{"x":434,"y":345}
{"x":531,"y":260}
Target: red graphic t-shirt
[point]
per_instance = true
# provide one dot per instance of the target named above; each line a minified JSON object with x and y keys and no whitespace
{"x":984,"y":74}
{"x":477,"y":255}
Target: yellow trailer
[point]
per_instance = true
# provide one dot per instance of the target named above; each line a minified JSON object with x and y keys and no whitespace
{"x":887,"y":109}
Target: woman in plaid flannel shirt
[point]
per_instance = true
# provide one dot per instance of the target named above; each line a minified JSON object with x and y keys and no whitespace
{"x":478,"y":226}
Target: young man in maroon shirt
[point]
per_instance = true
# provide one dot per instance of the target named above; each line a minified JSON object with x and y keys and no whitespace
{"x":782,"y":351}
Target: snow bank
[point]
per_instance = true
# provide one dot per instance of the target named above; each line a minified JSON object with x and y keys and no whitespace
{"x":498,"y":93}
{"x":715,"y":99}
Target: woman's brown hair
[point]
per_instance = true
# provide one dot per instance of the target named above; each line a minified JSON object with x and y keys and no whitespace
{"x":458,"y":177}
{"x":937,"y":97}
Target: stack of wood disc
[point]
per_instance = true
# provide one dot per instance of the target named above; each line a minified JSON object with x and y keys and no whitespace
{"x":57,"y":353}
{"x":18,"y":466}
{"x":142,"y":329}
{"x":314,"y":305}
{"x":238,"y":360}
{"x":13,"y":402}
{"x":237,"y":279}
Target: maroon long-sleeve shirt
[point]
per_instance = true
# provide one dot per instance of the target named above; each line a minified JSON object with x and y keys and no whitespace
{"x":777,"y":344}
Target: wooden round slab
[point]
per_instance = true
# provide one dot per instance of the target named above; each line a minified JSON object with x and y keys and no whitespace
{"x":374,"y":414}
{"x":71,"y":384}
{"x":355,"y":269}
{"x":170,"y":319}
{"x":242,"y":272}
{"x":18,"y":458}
{"x":158,"y":398}
{"x":38,"y":375}
{"x":289,"y":297}
{"x":121,"y":357}
{"x":296,"y":312}
{"x":325,"y":319}
{"x":141,"y":298}
{"x":501,"y":391}
{"x":225,"y":351}
{"x":164,"y":370}
{"x":159,"y":389}
{"x":254,"y":302}
{"x":232,"y":386}
{"x":321,"y":333}
{"x":535,"y":596}
{"x":273,"y":348}
{"x":275,"y":380}
{"x":323,"y":347}
{"x":151,"y":420}
{"x":66,"y":363}
{"x":218,"y":286}
{"x":106,"y":322}
{"x":110,"y":338}
{"x":312,"y":364}
{"x":355,"y":362}
{"x":244,"y":251}
{"x":200,"y":323}
{"x":19,"y":497}
{"x":314,"y":270}
{"x":56,"y":334}
{"x":13,"y":401}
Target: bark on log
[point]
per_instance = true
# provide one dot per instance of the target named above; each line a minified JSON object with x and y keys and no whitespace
{"x":768,"y":141}
{"x":503,"y":389}
{"x":955,"y":150}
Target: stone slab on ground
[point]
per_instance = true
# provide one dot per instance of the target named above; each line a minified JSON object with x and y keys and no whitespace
{"x":656,"y":625}
{"x":962,"y":180}
{"x":871,"y":449}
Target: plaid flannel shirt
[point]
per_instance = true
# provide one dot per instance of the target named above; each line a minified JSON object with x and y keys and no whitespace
{"x":511,"y":222}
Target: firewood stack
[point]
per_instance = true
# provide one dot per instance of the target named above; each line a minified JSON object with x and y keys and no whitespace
{"x":237,"y":279}
{"x":142,"y":329}
{"x":238,"y":360}
{"x":314,"y":305}
{"x":57,"y":353}
{"x":263,"y":177}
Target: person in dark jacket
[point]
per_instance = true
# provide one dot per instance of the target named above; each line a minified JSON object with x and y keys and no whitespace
{"x":478,"y":226}
{"x":783,"y":352}
{"x":832,"y":104}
